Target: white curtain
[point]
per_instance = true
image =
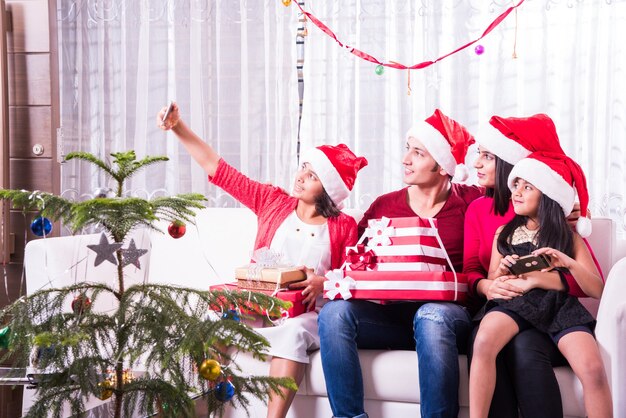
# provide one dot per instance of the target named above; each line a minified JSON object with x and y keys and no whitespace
{"x":571,"y":64}
{"x":231,"y":65}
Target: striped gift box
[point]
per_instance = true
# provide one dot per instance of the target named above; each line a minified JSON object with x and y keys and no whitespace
{"x":403,"y":259}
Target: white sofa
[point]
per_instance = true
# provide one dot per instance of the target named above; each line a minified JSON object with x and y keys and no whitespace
{"x":222,"y":239}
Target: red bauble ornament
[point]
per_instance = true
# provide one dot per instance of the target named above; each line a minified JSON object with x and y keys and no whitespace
{"x":80,"y":304}
{"x":177,"y":229}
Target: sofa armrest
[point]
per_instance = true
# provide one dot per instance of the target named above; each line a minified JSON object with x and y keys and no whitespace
{"x":611,"y":332}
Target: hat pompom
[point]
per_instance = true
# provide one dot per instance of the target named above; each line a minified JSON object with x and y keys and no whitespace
{"x":461,"y":173}
{"x":583,"y":226}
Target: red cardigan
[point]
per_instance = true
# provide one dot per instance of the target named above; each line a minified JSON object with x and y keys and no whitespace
{"x":273,"y":205}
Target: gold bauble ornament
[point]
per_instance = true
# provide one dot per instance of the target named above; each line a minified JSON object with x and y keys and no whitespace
{"x":210,"y":369}
{"x":106,"y":389}
{"x":286,"y":3}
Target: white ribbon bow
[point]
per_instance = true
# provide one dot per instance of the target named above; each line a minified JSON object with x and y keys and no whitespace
{"x":263,"y":258}
{"x":337,"y":284}
{"x":379,"y":231}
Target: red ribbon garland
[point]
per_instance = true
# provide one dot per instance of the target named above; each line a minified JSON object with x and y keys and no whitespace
{"x":360,"y":259}
{"x":397,"y":65}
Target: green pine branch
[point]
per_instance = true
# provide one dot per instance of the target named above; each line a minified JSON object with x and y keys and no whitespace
{"x":166,"y":328}
{"x":126,"y":162}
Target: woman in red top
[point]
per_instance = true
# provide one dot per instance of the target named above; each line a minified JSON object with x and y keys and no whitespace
{"x":307,"y":228}
{"x":525,"y":377}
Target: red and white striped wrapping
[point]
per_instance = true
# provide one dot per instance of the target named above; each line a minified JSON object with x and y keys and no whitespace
{"x":404,"y":259}
{"x":397,"y":285}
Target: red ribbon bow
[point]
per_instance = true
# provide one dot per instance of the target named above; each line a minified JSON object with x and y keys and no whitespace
{"x":360,"y":259}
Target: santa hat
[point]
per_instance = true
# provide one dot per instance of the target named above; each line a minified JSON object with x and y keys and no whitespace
{"x":336,"y":166}
{"x":446,"y":140}
{"x":558,"y":177}
{"x":512,"y":139}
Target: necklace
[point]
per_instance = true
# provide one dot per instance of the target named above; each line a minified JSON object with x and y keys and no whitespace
{"x":522,"y":234}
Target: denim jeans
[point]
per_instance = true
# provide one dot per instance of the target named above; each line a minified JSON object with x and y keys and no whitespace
{"x":345,"y":326}
{"x":441,"y":333}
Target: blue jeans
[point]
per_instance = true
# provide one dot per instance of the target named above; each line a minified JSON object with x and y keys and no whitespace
{"x":441,"y":333}
{"x":345,"y":326}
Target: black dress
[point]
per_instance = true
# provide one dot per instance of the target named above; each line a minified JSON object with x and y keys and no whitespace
{"x":550,"y":311}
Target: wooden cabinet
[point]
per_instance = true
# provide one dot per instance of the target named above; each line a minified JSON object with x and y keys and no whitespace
{"x":30,"y":117}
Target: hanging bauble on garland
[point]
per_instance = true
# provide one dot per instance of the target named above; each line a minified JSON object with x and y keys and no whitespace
{"x":177,"y":229}
{"x":380,"y":69}
{"x":5,"y":337}
{"x":210,"y":369}
{"x":286,"y":3}
{"x":80,"y":304}
{"x":224,"y":391}
{"x":41,"y":226}
{"x":479,"y":49}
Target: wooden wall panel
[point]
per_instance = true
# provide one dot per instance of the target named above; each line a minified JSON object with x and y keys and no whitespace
{"x":31,"y":31}
{"x":30,"y":125}
{"x":20,"y":227}
{"x":33,"y":118}
{"x":31,"y":175}
{"x":29,"y":79}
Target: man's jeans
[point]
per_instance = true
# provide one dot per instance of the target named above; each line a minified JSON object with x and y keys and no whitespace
{"x":345,"y":326}
{"x":441,"y":332}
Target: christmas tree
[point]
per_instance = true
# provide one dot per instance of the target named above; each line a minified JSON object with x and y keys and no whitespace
{"x":175,"y":333}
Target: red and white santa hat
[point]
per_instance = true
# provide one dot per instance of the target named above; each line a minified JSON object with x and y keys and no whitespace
{"x":446,"y":140}
{"x":558,"y":177}
{"x":512,"y":139}
{"x":336,"y":166}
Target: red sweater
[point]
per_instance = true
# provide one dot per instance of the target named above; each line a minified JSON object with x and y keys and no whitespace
{"x":480,"y":228}
{"x":272,"y":205}
{"x":449,"y":218}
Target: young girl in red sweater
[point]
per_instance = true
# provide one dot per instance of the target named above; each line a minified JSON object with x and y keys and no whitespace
{"x":307,"y":227}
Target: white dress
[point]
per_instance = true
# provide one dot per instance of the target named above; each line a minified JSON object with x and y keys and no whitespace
{"x":308,"y":245}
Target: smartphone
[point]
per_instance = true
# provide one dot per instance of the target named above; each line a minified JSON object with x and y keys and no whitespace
{"x":168,"y":110}
{"x":530,"y":263}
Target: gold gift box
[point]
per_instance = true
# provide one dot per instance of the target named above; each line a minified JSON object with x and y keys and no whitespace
{"x":267,"y":278}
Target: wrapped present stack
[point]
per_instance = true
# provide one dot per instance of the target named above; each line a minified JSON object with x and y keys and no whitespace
{"x":268,"y":274}
{"x":403,"y":259}
{"x":254,"y":277}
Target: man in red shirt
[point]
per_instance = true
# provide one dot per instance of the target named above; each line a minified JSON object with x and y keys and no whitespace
{"x":438,"y":331}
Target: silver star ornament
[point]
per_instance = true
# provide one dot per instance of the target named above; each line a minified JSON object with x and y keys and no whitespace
{"x":131,"y":255}
{"x":104,"y":250}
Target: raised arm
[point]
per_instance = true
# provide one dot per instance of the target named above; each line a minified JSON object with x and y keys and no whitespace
{"x":199,"y":150}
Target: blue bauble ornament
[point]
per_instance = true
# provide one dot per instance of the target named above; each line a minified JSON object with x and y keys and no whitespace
{"x":232,"y":315}
{"x":224,"y":391}
{"x":41,"y":226}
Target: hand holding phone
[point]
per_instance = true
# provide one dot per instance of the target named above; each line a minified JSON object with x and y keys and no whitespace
{"x":167,"y":111}
{"x":530,"y":263}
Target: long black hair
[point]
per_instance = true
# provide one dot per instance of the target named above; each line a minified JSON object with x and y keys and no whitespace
{"x":325,"y":206}
{"x":500,"y":192}
{"x":554,"y":231}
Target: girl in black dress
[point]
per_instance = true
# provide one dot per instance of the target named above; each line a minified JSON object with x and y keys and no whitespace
{"x":544,"y":187}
